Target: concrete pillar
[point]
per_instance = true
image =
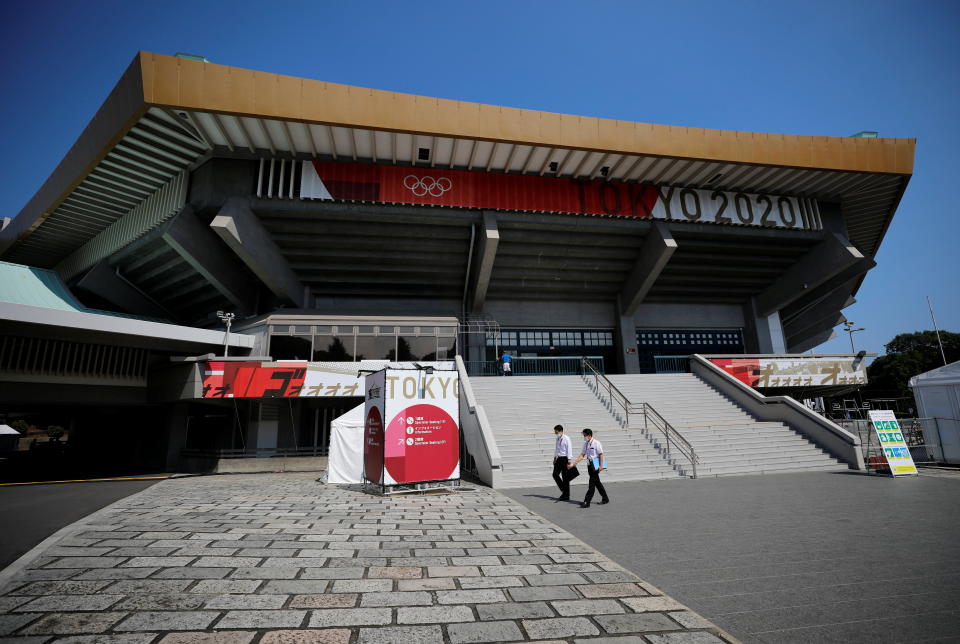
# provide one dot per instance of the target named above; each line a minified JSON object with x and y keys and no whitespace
{"x":766,"y":331}
{"x":625,"y":341}
{"x":476,"y":347}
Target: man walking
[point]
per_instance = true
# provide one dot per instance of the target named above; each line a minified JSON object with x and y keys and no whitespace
{"x":593,"y":452}
{"x":505,"y":363}
{"x":562,"y":454}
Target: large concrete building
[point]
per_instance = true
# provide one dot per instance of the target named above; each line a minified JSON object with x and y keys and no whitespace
{"x":341,"y":223}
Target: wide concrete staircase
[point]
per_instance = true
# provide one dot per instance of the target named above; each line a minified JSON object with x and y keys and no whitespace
{"x":728,"y":440}
{"x":523,"y":410}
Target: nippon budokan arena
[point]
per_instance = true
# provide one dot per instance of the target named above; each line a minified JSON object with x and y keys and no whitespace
{"x":225,"y":258}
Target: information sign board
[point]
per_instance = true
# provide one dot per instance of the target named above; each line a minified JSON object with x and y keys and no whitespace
{"x":412,"y":426}
{"x":894,"y":447}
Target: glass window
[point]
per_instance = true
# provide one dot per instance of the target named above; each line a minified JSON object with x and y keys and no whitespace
{"x":376,"y":347}
{"x":328,"y":348}
{"x":411,"y":348}
{"x":446,"y":348}
{"x":290,"y":347}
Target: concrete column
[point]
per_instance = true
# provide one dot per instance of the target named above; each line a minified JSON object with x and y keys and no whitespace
{"x":625,"y":340}
{"x":476,"y":347}
{"x":766,"y":331}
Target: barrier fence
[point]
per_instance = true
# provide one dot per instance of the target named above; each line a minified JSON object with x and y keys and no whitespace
{"x":922,"y":436}
{"x":523,"y":366}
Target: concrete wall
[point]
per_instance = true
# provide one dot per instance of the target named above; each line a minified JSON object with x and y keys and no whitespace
{"x":824,"y":433}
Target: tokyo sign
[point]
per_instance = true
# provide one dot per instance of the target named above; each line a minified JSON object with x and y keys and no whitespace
{"x":461,"y":189}
{"x":412,"y":428}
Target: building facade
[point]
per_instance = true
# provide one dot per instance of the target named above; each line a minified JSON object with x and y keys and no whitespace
{"x":341,"y":224}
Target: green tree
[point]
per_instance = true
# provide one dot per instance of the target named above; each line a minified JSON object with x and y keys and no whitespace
{"x":55,"y":432}
{"x":908,"y":355}
{"x":21,"y":426}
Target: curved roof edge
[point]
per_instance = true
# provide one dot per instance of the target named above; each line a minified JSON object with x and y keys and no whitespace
{"x":171,"y":82}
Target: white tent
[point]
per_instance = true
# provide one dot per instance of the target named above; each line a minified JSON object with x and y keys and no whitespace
{"x":7,"y":429}
{"x":938,"y":397}
{"x":345,"y":461}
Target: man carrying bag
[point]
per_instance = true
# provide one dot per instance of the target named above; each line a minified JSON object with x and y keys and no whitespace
{"x":593,"y":452}
{"x":562,"y":454}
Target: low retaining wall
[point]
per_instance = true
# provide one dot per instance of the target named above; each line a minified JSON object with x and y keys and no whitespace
{"x":824,"y":433}
{"x":201,"y":465}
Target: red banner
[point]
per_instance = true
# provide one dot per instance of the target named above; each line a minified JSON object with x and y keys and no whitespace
{"x":253,"y":380}
{"x":462,"y":189}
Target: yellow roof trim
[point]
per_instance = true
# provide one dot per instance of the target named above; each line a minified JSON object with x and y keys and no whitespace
{"x":178,"y":82}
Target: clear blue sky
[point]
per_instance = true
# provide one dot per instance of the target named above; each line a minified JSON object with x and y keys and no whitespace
{"x":823,"y":68}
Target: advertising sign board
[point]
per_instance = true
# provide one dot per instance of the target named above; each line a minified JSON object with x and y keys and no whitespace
{"x":291,"y":378}
{"x":334,"y":180}
{"x":813,"y":371}
{"x":412,"y":426}
{"x":894,"y":447}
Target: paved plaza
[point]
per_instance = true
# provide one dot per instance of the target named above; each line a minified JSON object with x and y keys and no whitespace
{"x":279,"y":558}
{"x":839,"y":557}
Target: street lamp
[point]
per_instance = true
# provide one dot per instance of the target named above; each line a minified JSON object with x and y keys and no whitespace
{"x":226,"y":318}
{"x":848,"y":327}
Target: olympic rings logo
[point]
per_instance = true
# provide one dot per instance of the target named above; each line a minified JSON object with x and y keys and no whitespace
{"x":423,"y":186}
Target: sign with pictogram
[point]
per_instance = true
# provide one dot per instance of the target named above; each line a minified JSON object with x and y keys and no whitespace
{"x":894,"y":447}
{"x":412,"y":427}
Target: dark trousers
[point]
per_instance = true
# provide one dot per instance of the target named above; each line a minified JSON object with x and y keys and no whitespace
{"x":560,"y":475}
{"x":595,"y":484}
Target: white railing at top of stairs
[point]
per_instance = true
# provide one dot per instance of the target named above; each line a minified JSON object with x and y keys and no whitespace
{"x":672,"y":438}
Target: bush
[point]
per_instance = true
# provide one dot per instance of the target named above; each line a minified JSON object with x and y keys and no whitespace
{"x":55,"y":432}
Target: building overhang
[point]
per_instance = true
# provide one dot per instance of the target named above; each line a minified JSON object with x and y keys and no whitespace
{"x":167,"y":115}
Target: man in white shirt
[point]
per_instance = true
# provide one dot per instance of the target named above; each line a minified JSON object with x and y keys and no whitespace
{"x":593,"y":452}
{"x":562,"y":454}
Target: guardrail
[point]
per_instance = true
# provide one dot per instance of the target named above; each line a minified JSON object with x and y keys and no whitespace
{"x":672,"y":438}
{"x":538,"y":366}
{"x":922,"y":435}
{"x":257,"y":452}
{"x":672,"y":364}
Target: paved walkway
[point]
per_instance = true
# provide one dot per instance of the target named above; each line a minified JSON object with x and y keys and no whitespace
{"x":43,"y":509}
{"x":811,"y":557}
{"x":281,"y":558}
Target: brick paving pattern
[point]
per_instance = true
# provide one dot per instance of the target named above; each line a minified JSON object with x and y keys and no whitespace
{"x":282,"y":558}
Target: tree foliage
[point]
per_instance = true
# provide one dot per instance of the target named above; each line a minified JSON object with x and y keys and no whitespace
{"x":908,"y":355}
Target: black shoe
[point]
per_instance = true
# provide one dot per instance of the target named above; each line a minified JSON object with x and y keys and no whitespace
{"x":563,"y":498}
{"x":584,"y":505}
{"x":605,"y":501}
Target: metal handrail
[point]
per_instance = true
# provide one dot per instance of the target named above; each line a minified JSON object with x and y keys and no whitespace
{"x":649,"y":414}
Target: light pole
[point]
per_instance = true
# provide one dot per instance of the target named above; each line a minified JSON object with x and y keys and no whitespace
{"x":226,"y":318}
{"x":848,"y":327}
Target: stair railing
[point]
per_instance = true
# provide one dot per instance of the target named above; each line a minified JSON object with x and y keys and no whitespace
{"x":672,"y":438}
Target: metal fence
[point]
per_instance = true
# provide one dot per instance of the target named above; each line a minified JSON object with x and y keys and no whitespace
{"x":545,"y":366}
{"x":257,"y":452}
{"x":922,"y":436}
{"x":672,"y":364}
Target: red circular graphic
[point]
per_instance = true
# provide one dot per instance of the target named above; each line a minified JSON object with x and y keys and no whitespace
{"x":373,"y":446}
{"x":422,"y":444}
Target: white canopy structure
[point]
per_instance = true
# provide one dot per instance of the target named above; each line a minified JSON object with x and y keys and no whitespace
{"x":345,"y":461}
{"x":7,"y":429}
{"x":938,"y":397}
